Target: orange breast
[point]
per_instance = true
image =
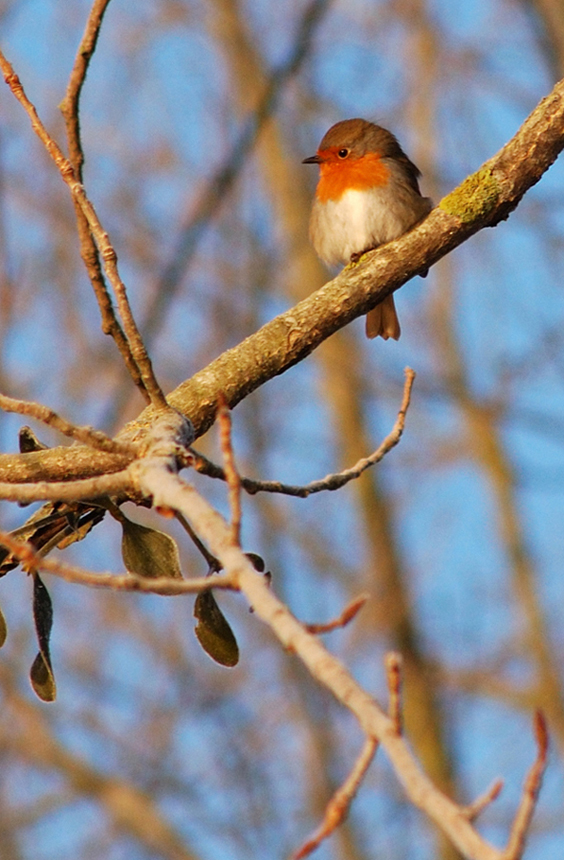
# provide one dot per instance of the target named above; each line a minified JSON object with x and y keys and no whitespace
{"x":337,"y":176}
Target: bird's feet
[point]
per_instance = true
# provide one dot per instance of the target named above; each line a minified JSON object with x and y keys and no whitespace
{"x":357,"y":256}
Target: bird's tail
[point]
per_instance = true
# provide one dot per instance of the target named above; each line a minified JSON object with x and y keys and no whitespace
{"x":382,"y":321}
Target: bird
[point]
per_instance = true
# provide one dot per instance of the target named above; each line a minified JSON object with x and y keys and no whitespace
{"x":367,"y":194}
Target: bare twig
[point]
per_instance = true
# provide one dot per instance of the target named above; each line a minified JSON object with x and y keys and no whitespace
{"x":213,"y":563}
{"x":393,"y":673}
{"x":70,"y":104}
{"x":338,"y":807}
{"x":163,"y":585}
{"x":231,"y":474}
{"x":477,"y":806}
{"x":88,"y":249}
{"x":330,"y":482}
{"x":87,"y":435}
{"x":530,"y":793}
{"x":105,"y":247}
{"x":168,"y":488}
{"x":349,"y":612}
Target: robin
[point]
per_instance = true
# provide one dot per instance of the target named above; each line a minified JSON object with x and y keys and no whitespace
{"x":367,"y":194}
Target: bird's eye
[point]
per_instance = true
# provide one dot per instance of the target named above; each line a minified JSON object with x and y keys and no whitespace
{"x":342,"y":153}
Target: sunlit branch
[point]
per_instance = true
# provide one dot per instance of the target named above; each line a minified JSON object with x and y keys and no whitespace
{"x":156,"y":479}
{"x":474,"y":809}
{"x":530,"y":793}
{"x":348,"y":614}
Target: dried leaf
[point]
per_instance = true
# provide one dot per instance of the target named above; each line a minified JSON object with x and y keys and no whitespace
{"x":41,"y":673}
{"x":149,"y":552}
{"x":214,"y":633}
{"x":84,"y":526}
{"x":54,"y":524}
{"x":29,"y":442}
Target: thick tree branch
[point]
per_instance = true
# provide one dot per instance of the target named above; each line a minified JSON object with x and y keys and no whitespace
{"x":60,"y":464}
{"x":482,"y":200}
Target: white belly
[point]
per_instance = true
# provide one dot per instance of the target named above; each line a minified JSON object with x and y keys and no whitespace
{"x":356,"y":222}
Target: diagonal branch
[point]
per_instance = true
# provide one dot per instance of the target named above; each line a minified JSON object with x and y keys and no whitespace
{"x":157,"y":479}
{"x":482,"y":200}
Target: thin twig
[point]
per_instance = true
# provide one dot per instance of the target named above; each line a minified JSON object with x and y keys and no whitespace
{"x":349,"y":612}
{"x":105,"y":247}
{"x":71,"y":101}
{"x":339,"y":805}
{"x":393,"y":673}
{"x":477,"y":806}
{"x":87,"y":435}
{"x":162,"y":585}
{"x":88,"y":249}
{"x":212,"y":562}
{"x":232,"y":475}
{"x":530,"y":793}
{"x":330,"y":482}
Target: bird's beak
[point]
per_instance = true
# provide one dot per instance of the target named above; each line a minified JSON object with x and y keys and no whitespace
{"x":313,"y":159}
